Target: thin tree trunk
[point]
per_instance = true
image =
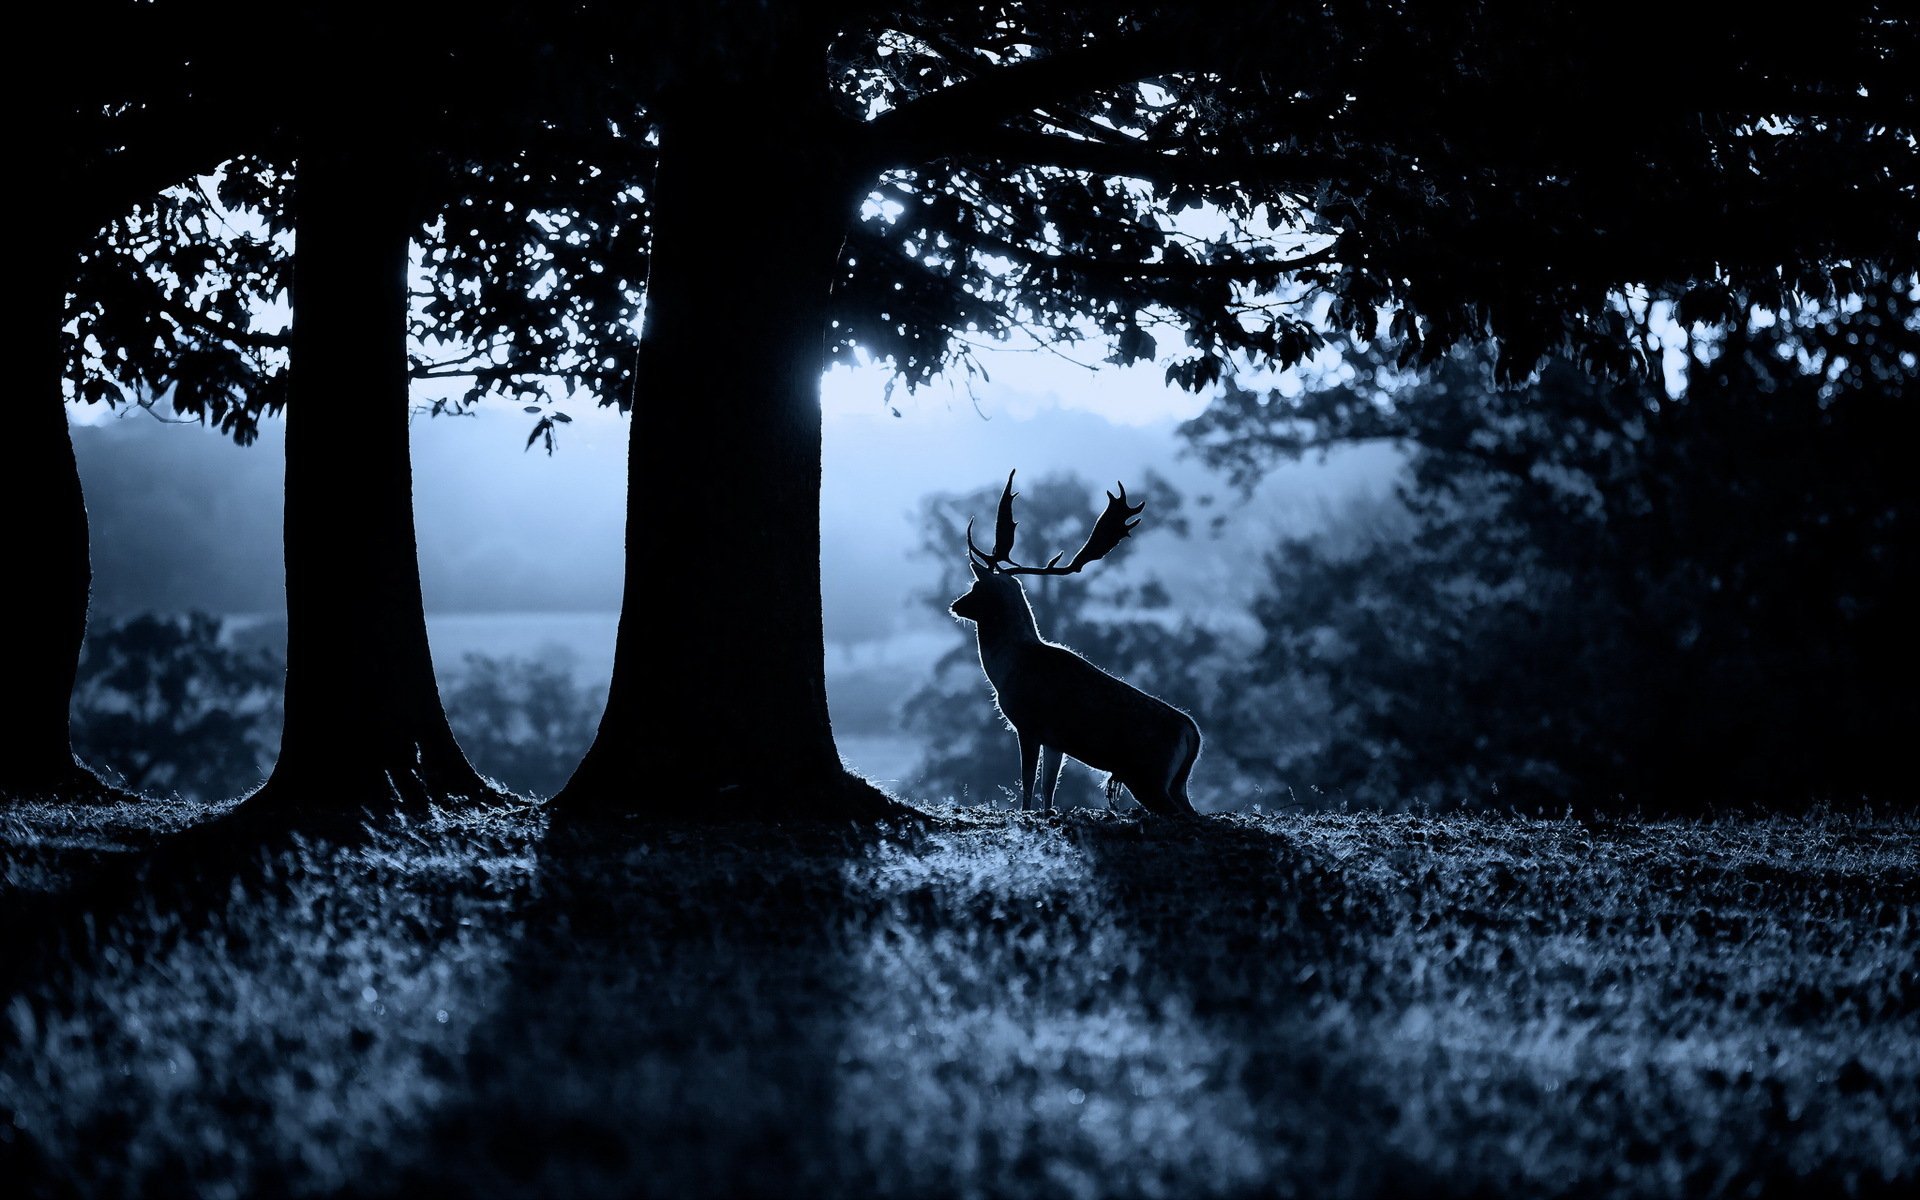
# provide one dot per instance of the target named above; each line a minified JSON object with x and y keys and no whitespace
{"x":49,"y":576}
{"x":364,"y":722}
{"x":718,"y":705}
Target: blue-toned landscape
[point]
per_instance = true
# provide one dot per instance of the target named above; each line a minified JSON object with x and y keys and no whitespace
{"x":921,"y":598}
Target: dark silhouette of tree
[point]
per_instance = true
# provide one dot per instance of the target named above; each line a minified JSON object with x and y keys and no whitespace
{"x":151,"y":108}
{"x":1479,"y":173}
{"x":1597,"y":593}
{"x":904,"y":179}
{"x":364,"y":715}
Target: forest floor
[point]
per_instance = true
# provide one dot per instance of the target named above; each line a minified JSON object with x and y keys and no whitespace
{"x":986,"y":1005}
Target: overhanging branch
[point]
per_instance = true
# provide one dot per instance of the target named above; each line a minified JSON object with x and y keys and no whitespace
{"x":1263,"y":272}
{"x":1188,"y":166}
{"x":946,"y":122}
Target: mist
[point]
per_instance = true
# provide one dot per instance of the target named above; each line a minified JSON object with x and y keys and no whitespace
{"x":183,"y":520}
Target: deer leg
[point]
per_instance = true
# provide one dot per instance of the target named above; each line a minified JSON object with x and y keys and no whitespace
{"x":1049,"y":775}
{"x":1029,"y":758}
{"x":1164,"y":797}
{"x":1183,"y":771}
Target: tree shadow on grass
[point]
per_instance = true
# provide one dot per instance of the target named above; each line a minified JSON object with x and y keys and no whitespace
{"x":670,"y":1021}
{"x":268,"y":1028}
{"x":75,"y":876}
{"x":1249,"y":936}
{"x":71,"y":873}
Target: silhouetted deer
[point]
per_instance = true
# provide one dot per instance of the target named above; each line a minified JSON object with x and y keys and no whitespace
{"x":1057,"y":701}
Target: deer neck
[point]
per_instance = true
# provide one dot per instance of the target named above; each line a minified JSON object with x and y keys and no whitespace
{"x":1002,"y":640}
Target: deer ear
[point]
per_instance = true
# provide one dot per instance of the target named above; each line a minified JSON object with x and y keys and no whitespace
{"x":977,"y":572}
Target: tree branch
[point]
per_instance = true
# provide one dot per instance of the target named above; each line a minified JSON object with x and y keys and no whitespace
{"x":1190,"y":166}
{"x":1252,"y":270}
{"x":249,"y":339}
{"x":942,"y":122}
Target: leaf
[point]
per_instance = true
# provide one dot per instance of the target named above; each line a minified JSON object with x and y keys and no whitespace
{"x":563,"y":418}
{"x":532,"y":408}
{"x":542,"y":426}
{"x":1134,"y":345}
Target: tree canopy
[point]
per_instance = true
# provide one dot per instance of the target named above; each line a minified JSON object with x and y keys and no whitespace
{"x":1204,"y":185}
{"x":1483,"y":171}
{"x":1211,"y":186}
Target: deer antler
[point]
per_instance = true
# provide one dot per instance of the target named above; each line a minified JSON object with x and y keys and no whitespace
{"x":1115,"y":523}
{"x":1003,"y":527}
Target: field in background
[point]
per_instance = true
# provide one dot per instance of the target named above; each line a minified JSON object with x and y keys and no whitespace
{"x":987,"y":1005}
{"x":866,"y":682}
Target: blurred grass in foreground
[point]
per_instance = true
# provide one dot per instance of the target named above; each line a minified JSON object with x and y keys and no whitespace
{"x":989,"y":1005}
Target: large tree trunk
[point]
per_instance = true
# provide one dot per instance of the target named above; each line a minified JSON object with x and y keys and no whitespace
{"x":718,"y":705}
{"x":49,"y":576}
{"x":364,"y":722}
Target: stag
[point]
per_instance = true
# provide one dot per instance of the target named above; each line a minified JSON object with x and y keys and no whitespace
{"x":1059,"y":703}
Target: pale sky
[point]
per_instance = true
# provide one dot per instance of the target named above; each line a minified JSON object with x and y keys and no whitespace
{"x":503,"y":528}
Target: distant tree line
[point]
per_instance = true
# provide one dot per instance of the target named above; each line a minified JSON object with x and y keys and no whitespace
{"x":175,"y":704}
{"x":1601,"y":594}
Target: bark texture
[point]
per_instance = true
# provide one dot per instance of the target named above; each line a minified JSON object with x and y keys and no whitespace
{"x":50,"y":575}
{"x":718,"y":705}
{"x":364,"y":721}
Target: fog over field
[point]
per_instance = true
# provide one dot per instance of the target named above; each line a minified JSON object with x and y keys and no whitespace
{"x":520,"y":551}
{"x":184,"y":520}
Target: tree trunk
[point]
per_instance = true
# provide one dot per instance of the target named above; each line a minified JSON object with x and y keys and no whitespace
{"x":364,"y":722}
{"x":718,"y":705}
{"x":50,"y":575}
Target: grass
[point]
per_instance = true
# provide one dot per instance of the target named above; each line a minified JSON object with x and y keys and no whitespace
{"x":989,"y":1005}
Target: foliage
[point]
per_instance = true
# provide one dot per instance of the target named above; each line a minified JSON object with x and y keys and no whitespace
{"x":173,"y":305}
{"x":170,"y":706}
{"x":155,"y":157}
{"x":1122,"y":172}
{"x":1337,"y":1005}
{"x":1242,"y":181}
{"x":1158,"y":178}
{"x":1124,"y":623}
{"x":174,"y":705}
{"x":525,"y":195}
{"x":523,"y":721}
{"x":1597,"y":593}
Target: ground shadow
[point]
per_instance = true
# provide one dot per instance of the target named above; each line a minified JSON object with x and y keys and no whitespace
{"x":74,"y":872}
{"x":670,"y":1019}
{"x":1251,"y":936}
{"x":258,"y":1018}
{"x":95,"y":874}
